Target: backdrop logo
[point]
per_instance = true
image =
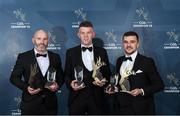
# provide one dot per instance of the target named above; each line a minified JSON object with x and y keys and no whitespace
{"x":16,"y":111}
{"x":53,"y":44}
{"x":111,"y":40}
{"x":173,"y":84}
{"x":141,"y":19}
{"x":80,"y":15}
{"x":173,"y":42}
{"x":21,"y":17}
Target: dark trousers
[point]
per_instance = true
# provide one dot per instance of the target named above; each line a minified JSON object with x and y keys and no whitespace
{"x":84,"y":105}
{"x":38,"y":106}
{"x":123,"y":104}
{"x":40,"y":111}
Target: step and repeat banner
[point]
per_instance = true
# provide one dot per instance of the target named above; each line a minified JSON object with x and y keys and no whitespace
{"x":156,"y":21}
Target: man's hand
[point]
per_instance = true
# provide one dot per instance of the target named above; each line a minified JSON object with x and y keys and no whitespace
{"x":136,"y":92}
{"x":99,"y":83}
{"x":54,"y":87}
{"x":110,"y":91}
{"x":33,"y":91}
{"x":75,"y":86}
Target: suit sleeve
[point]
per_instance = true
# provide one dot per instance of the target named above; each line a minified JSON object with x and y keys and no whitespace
{"x":60,"y":75}
{"x":106,"y":69}
{"x":17,"y":73}
{"x":117,"y":66}
{"x":156,"y":83}
{"x":117,"y":71}
{"x":68,"y":72}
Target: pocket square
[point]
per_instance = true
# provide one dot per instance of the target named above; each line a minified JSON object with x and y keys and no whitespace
{"x":139,"y":71}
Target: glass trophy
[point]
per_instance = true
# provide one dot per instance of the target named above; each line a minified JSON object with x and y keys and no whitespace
{"x":51,"y":77}
{"x":78,"y":74}
{"x":112,"y":87}
{"x":125,"y":85}
{"x":99,"y":74}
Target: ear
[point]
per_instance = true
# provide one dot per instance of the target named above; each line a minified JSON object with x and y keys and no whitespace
{"x":138,"y":45}
{"x":94,"y":34}
{"x":78,"y":34}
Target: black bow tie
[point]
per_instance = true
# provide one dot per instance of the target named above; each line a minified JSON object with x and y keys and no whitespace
{"x":86,"y":48}
{"x":127,"y":58}
{"x":43,"y":55}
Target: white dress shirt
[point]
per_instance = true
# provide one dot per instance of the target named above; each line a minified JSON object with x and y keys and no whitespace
{"x":43,"y":62}
{"x":128,"y":65}
{"x":87,"y":57}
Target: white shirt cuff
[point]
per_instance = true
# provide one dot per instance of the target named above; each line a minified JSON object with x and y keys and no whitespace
{"x":142,"y":92}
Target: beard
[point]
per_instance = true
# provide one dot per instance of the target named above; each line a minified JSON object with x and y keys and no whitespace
{"x":41,"y":47}
{"x":129,"y":52}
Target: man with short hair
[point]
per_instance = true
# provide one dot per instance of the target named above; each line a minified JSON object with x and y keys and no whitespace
{"x":33,"y":66}
{"x":144,"y":79}
{"x":87,"y":98}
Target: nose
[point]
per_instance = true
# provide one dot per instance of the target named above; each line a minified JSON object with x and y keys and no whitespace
{"x":42,"y":41}
{"x":128,"y":44}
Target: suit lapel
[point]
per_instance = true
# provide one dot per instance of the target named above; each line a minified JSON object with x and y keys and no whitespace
{"x":119,"y":63}
{"x":96,"y":53}
{"x":50,"y":60}
{"x":34,"y":61}
{"x":79,"y":57}
{"x":137,"y":60}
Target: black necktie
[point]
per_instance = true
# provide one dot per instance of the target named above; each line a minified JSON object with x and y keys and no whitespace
{"x":86,"y":48}
{"x":127,"y":58}
{"x":43,"y":55}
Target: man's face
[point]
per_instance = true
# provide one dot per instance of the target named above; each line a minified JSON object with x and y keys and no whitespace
{"x":40,"y":40}
{"x":86,"y":34}
{"x":130,"y":44}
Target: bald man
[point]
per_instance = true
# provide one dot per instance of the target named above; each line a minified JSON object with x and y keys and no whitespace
{"x":30,"y":76}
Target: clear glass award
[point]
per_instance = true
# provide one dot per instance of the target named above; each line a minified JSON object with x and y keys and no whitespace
{"x":51,"y":77}
{"x":112,"y":87}
{"x":78,"y":74}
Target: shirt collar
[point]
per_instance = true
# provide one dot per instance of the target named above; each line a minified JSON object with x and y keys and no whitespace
{"x":35,"y":51}
{"x":133,"y":55}
{"x":86,"y":46}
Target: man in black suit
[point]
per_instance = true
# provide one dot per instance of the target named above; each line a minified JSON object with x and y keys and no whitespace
{"x":33,"y":66}
{"x":141,"y":73}
{"x":87,"y":98}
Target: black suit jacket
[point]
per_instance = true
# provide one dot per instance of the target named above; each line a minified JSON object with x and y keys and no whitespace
{"x":149,"y":80}
{"x":73,"y":59}
{"x":22,"y":70}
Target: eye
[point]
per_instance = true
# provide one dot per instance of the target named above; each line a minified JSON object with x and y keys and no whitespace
{"x":125,"y":42}
{"x":133,"y":41}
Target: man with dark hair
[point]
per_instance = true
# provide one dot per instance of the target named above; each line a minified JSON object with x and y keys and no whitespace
{"x":139,"y":74}
{"x":38,"y":97}
{"x":87,"y":97}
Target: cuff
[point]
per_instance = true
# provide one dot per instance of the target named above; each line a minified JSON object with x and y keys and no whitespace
{"x":142,"y":92}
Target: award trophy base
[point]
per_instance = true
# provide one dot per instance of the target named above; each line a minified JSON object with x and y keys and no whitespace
{"x":112,"y":89}
{"x":48,"y":84}
{"x":125,"y":91}
{"x":79,"y":83}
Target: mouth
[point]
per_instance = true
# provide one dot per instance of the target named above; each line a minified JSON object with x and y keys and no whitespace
{"x":41,"y":45}
{"x":128,"y":48}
